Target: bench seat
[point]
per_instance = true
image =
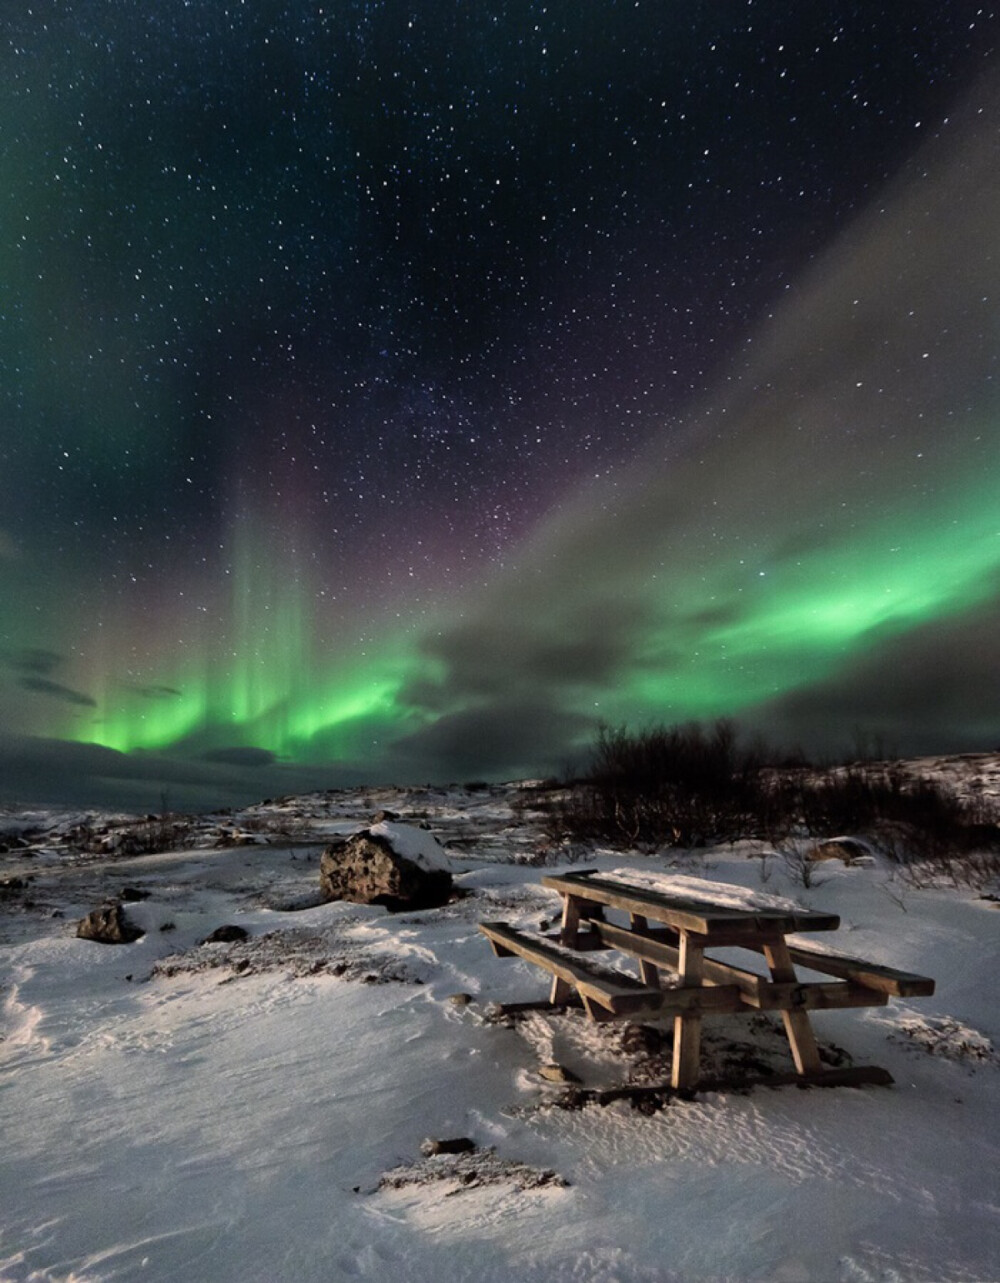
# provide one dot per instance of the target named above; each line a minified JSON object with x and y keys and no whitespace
{"x":605,"y":993}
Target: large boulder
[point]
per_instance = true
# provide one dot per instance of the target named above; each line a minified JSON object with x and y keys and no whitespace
{"x":108,"y":925}
{"x":396,"y":865}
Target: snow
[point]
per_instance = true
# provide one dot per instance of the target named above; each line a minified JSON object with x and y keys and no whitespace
{"x":722,"y":895}
{"x":417,"y":845}
{"x":178,"y":1110}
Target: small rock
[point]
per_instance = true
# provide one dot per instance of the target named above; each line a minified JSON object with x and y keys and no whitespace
{"x":383,"y":817}
{"x":458,"y":1145}
{"x":850,"y":850}
{"x":228,"y":934}
{"x":108,"y":925}
{"x":460,"y":999}
{"x":554,"y":1073}
{"x":132,"y":894}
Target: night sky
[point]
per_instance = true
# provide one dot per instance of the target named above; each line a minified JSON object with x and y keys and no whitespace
{"x":394,"y":392}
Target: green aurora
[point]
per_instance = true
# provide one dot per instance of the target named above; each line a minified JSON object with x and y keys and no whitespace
{"x":720,"y":642}
{"x":324,"y":458}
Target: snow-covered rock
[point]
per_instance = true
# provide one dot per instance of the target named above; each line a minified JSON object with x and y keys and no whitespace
{"x":392,"y":864}
{"x":412,"y":843}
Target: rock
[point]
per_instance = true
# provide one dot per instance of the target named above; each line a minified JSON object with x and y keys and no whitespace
{"x":228,"y":934}
{"x":558,"y":1074}
{"x":131,"y":894}
{"x":11,"y":887}
{"x":460,"y":999}
{"x":850,"y":850}
{"x":108,"y":925}
{"x":458,"y":1145}
{"x":397,"y":867}
{"x":381,"y":817}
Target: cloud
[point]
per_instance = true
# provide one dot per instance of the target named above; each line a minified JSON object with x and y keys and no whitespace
{"x":933,"y":690}
{"x":499,"y":740}
{"x":33,"y":660}
{"x":52,"y":771}
{"x":65,"y":693}
{"x":237,"y":756}
{"x":788,"y":557}
{"x":156,"y":692}
{"x":35,"y":664}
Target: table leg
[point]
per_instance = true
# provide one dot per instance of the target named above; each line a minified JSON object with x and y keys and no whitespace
{"x":687,"y":1028}
{"x":801,"y":1038}
{"x":648,"y":970}
{"x":561,"y":989}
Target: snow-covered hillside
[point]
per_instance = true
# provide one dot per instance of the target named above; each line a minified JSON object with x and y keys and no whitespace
{"x":255,"y":1109}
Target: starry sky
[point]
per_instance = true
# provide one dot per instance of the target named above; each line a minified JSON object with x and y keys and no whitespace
{"x":395,"y":392}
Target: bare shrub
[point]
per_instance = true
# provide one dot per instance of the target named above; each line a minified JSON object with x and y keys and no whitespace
{"x":677,"y":786}
{"x":685,"y":786}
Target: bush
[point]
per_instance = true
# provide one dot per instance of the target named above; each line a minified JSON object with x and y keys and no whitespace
{"x":679,"y":786}
{"x":685,"y":786}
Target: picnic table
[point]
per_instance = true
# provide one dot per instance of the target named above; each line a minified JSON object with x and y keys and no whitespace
{"x":666,"y":925}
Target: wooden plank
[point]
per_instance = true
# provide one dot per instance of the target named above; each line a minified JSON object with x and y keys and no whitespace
{"x":688,"y":913}
{"x":621,"y":995}
{"x":647,"y":968}
{"x":758,"y":992}
{"x":810,"y":996}
{"x":561,"y":988}
{"x":656,"y":946}
{"x":655,"y":1094}
{"x":801,"y":1038}
{"x":687,"y":1027}
{"x":873,"y":975}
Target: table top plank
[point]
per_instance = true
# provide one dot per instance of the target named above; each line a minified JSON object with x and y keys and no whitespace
{"x":690,"y":912}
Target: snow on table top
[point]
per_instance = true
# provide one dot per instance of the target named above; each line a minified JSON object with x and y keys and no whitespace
{"x":414,"y":844}
{"x":720,"y":894}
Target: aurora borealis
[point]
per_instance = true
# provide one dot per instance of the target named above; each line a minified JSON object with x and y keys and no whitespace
{"x":395,"y":392}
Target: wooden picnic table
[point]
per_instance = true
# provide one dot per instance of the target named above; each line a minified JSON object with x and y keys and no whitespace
{"x":670,"y":924}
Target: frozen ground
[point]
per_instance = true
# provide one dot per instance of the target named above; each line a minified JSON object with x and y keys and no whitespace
{"x":255,"y":1110}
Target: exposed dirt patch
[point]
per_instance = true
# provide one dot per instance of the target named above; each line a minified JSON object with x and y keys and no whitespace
{"x":297,"y":952}
{"x":948,"y":1038}
{"x":623,"y":1055}
{"x":469,"y":1171}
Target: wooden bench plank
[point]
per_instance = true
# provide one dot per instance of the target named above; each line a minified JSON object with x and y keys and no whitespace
{"x":616,"y":993}
{"x":873,"y":975}
{"x":619,"y":994}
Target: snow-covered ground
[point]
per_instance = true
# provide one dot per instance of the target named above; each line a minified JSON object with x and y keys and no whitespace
{"x":254,"y":1110}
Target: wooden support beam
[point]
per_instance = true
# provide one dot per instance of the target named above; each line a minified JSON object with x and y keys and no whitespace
{"x":561,"y":987}
{"x":801,"y":1038}
{"x":853,"y":1076}
{"x":812,"y":996}
{"x":758,"y":992}
{"x":687,"y":1027}
{"x":657,"y":946}
{"x":647,"y":968}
